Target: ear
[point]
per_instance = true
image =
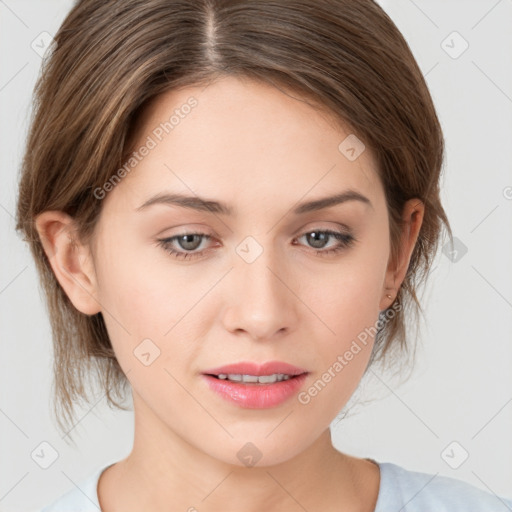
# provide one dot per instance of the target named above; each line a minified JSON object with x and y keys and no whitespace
{"x":71,"y":261}
{"x":412,"y":217}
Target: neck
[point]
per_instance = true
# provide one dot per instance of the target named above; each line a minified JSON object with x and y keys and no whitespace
{"x":164,"y":472}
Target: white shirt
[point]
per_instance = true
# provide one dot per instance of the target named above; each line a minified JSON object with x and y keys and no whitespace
{"x":400,"y":490}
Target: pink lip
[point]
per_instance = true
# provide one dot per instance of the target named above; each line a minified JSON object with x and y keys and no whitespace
{"x":250,"y":368}
{"x":256,"y":395}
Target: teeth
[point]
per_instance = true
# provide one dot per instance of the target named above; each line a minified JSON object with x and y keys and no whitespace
{"x":262,"y":379}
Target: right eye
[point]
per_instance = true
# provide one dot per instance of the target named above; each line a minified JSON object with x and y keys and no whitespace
{"x":187,"y":242}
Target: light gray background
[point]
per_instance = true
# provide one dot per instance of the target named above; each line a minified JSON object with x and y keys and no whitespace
{"x":461,"y":389}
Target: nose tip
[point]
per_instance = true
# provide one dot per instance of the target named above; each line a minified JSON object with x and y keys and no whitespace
{"x":260,"y":303}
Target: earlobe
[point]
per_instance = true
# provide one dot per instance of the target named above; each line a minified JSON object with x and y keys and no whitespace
{"x":70,"y":260}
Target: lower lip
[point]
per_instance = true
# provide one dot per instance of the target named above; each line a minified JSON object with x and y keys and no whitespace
{"x":253,"y":395}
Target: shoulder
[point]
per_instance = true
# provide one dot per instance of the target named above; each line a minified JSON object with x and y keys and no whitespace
{"x":82,"y":498}
{"x":413,"y":491}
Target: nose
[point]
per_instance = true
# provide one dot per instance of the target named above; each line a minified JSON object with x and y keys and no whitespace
{"x":262,"y":302}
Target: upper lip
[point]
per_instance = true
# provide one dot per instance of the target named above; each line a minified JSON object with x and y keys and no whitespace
{"x":258,"y":369}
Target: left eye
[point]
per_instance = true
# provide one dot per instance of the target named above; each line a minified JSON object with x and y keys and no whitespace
{"x":191,"y":241}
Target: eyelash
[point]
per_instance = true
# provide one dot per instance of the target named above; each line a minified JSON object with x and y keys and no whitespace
{"x":345,"y":240}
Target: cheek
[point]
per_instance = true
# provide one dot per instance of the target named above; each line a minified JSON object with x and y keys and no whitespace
{"x":343,"y":356}
{"x":348,"y":297}
{"x":132,"y":287}
{"x":148,"y":304}
{"x":349,"y":308}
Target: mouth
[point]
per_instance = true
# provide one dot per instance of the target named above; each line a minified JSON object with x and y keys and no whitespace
{"x":249,"y":372}
{"x":256,"y":386}
{"x":254,"y":379}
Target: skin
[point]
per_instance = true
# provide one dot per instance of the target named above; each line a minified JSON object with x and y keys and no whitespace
{"x":261,"y":151}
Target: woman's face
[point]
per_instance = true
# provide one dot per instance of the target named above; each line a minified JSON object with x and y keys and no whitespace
{"x":260,"y":281}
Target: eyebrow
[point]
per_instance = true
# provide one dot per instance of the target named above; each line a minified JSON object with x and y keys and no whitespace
{"x":209,"y":205}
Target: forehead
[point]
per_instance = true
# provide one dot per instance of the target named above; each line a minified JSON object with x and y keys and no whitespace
{"x":240,"y":138}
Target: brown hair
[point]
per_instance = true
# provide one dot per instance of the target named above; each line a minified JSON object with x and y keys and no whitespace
{"x":110,"y":57}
